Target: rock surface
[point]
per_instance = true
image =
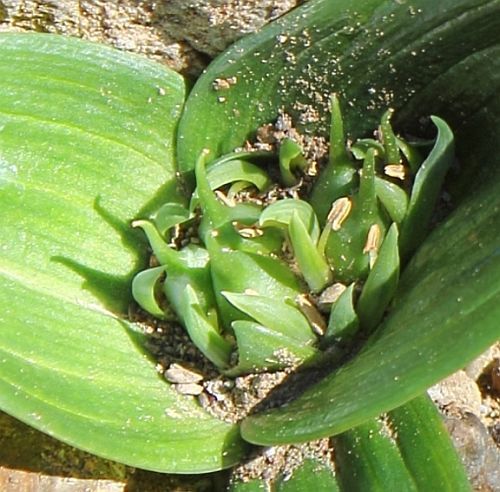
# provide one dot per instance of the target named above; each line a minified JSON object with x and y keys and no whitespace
{"x":184,"y":34}
{"x":470,"y":402}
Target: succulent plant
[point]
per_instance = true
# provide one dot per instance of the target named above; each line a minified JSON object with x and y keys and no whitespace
{"x":92,"y":139}
{"x":287,"y":264}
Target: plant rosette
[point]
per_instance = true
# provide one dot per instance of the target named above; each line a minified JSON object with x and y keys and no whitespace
{"x":276,"y":259}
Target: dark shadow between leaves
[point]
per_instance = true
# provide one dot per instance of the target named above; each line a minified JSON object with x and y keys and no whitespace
{"x":295,"y":384}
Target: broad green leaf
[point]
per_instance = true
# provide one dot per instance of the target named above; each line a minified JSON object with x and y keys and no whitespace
{"x":408,"y":449}
{"x":254,"y":485}
{"x":426,"y":448}
{"x":445,"y":313}
{"x":368,"y":459}
{"x":417,"y":57}
{"x":86,"y":142}
{"x":421,"y":58}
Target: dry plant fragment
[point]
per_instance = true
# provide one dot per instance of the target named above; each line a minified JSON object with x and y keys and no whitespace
{"x":312,"y":314}
{"x":339,"y":212}
{"x":395,"y":171}
{"x":372,"y":243}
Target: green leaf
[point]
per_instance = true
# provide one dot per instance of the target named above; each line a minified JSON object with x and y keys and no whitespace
{"x":228,"y":171}
{"x":201,"y":331}
{"x":279,"y":214}
{"x":348,"y":248}
{"x":263,"y":349}
{"x":426,"y":189}
{"x":254,"y":485}
{"x":279,"y":316}
{"x":428,"y":59}
{"x":86,"y":144}
{"x":311,"y":475}
{"x":291,"y":158}
{"x":426,"y":448}
{"x":420,"y":58}
{"x":343,"y":322}
{"x":234,"y":168}
{"x":264,"y":275}
{"x":339,"y":177}
{"x":448,"y":294}
{"x":408,"y":449}
{"x":389,"y":139}
{"x":393,"y":198}
{"x":367,"y":459}
{"x":381,"y":283}
{"x":144,"y":288}
{"x":169,"y":215}
{"x":311,"y":262}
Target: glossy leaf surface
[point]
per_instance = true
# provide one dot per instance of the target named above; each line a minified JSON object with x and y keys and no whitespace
{"x":86,"y":142}
{"x":419,"y":58}
{"x":448,"y":297}
{"x":426,"y":447}
{"x":368,"y":459}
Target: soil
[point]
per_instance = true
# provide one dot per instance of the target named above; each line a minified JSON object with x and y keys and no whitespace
{"x":185,"y":35}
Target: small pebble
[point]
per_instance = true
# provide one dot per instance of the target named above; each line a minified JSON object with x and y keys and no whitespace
{"x":188,"y":389}
{"x":178,"y":374}
{"x":330,"y":295}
